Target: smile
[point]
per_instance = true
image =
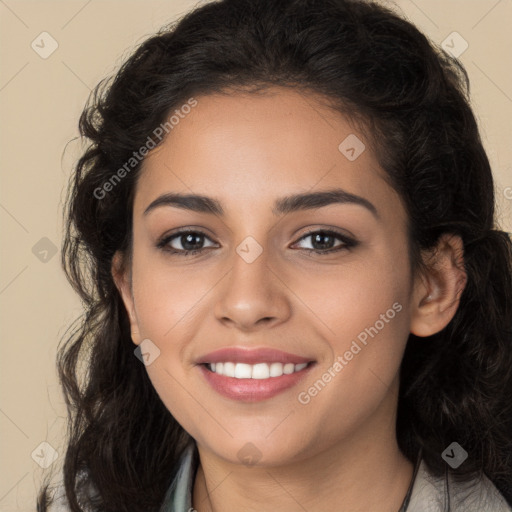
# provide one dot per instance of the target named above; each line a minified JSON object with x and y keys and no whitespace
{"x":242,"y":382}
{"x":257,"y":371}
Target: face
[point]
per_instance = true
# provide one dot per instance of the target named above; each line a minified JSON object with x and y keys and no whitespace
{"x":273,"y":285}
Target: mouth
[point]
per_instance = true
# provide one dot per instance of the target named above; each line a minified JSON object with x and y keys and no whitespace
{"x":257,"y":371}
{"x":253,"y":375}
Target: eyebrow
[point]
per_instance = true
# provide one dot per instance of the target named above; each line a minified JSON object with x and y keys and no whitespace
{"x":282,"y":206}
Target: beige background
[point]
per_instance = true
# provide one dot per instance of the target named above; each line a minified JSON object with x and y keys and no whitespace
{"x":40,"y":102}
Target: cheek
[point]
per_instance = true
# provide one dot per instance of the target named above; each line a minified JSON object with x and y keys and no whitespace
{"x":352,"y":296}
{"x":168,"y":304}
{"x":364,"y":308}
{"x":166,"y":295}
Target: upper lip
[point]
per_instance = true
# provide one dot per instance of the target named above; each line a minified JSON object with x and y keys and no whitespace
{"x":251,"y":356}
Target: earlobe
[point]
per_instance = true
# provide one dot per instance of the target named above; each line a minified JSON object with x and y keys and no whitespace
{"x":122,"y":282}
{"x":438,"y":289}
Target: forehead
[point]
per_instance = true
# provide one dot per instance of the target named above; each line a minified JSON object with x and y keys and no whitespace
{"x":247,"y":148}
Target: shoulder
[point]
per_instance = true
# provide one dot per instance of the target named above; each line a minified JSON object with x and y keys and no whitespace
{"x":446,"y":493}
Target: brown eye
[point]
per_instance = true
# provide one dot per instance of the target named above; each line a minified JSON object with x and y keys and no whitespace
{"x":184,"y":242}
{"x":325,"y":241}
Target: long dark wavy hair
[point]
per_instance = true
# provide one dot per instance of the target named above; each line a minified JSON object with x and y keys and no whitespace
{"x":413,"y":99}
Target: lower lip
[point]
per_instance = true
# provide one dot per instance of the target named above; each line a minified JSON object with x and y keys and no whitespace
{"x":252,"y":390}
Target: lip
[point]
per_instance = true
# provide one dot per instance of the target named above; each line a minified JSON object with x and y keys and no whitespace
{"x":251,"y":356}
{"x":252,"y":390}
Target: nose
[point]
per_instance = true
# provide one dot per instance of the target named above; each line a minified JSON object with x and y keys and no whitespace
{"x":253,"y":295}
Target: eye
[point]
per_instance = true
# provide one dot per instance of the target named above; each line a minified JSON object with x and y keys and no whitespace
{"x":184,"y":242}
{"x":324,"y":241}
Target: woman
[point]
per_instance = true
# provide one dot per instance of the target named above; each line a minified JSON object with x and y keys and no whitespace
{"x":296,"y":294}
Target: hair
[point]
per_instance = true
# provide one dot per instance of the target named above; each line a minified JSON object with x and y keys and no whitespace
{"x":413,"y":99}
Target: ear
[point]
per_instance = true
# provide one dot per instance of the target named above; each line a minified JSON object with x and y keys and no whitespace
{"x":438,"y":289}
{"x":122,"y":280}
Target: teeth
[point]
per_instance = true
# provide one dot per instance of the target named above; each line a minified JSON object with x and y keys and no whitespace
{"x":242,"y":371}
{"x":229,"y":370}
{"x":255,"y":371}
{"x":276,"y":369}
{"x":260,"y":371}
{"x":288,"y":368}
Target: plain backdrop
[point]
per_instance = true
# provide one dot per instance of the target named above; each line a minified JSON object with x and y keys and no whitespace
{"x":40,"y":103}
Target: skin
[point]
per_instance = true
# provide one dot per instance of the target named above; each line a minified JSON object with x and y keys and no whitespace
{"x":339,"y":451}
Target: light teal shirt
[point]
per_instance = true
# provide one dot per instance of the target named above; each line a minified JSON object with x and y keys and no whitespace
{"x":427,"y":493}
{"x":179,"y":494}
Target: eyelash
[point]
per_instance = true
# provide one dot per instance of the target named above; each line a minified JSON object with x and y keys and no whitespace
{"x":348,"y":243}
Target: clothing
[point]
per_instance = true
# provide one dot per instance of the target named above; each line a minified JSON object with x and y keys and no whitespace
{"x":427,"y":493}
